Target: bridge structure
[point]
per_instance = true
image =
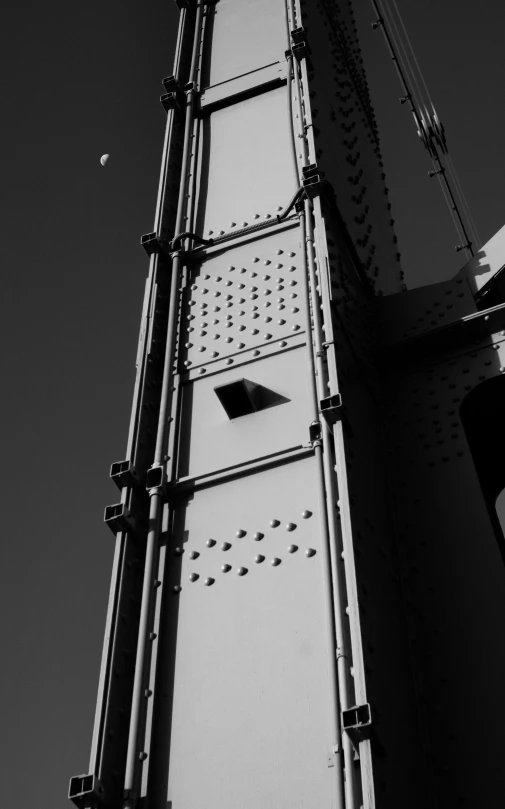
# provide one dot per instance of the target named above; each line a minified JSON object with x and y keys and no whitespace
{"x":308,"y":586}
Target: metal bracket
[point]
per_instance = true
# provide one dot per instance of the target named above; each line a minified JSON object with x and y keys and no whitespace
{"x":156,"y":478}
{"x":123,"y":473}
{"x":357,"y":723}
{"x":331,"y":409}
{"x":300,"y":47}
{"x":118,"y":518}
{"x":311,"y":181}
{"x":315,"y":432}
{"x":171,"y":101}
{"x":86,"y":791}
{"x":151,"y":244}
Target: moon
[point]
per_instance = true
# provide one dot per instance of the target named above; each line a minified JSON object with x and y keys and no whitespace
{"x":104,"y":159}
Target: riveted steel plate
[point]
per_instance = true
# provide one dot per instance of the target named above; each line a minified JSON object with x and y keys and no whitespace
{"x":243,"y":299}
{"x":250,"y":724}
{"x":245,"y":37}
{"x":246,"y":168}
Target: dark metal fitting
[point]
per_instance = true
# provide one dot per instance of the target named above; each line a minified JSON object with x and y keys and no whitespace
{"x":466,"y":246}
{"x":310,"y":171}
{"x":118,"y":518}
{"x":190,"y":87}
{"x":374,"y":25}
{"x":171,"y":101}
{"x":123,"y":473}
{"x":151,"y":244}
{"x":156,"y":480}
{"x":404,"y":99}
{"x":171,"y":85}
{"x":357,"y":723}
{"x":315,"y":431}
{"x":86,"y":791}
{"x":300,"y":51}
{"x":331,"y":409}
{"x":438,"y":171}
{"x":299,"y":35}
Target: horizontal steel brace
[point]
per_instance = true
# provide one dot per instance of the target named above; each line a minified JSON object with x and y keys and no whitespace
{"x":270,"y":226}
{"x":258,"y":464}
{"x":242,"y":87}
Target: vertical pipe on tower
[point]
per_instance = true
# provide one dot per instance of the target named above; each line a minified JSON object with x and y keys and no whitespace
{"x":156,"y":494}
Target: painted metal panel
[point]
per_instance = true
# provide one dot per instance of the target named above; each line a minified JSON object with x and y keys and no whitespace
{"x":246,"y":35}
{"x":243,"y":300}
{"x":211,"y":440}
{"x":487,"y":263}
{"x":247,"y":170}
{"x":250,"y":725}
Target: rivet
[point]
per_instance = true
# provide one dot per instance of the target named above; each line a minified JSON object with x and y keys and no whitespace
{"x":256,"y":353}
{"x":176,"y":588}
{"x":240,"y":345}
{"x":194,"y":555}
{"x":232,"y":224}
{"x":157,"y":583}
{"x":178,"y":551}
{"x":202,"y":370}
{"x":266,"y":278}
{"x":291,"y":268}
{"x":281,"y":322}
{"x":230,"y":269}
{"x":310,"y":552}
{"x":226,"y":546}
{"x":268,"y":319}
{"x":215,"y":354}
{"x":259,"y":558}
{"x":228,"y":339}
{"x":255,"y":259}
{"x":275,"y":561}
{"x":268,"y":216}
{"x":274,"y":523}
{"x":242,"y":571}
{"x":290,"y":526}
{"x":292,"y":548}
{"x":267,"y":336}
{"x":256,"y":216}
{"x":229,"y":362}
{"x":244,"y":224}
{"x":152,"y":636}
{"x":267,"y":262}
{"x":295,"y":327}
{"x":193,"y":576}
{"x":283,"y":344}
{"x":258,"y":535}
{"x":210,"y":543}
{"x":486,"y":317}
{"x":148,"y":693}
{"x":254,"y":331}
{"x":241,"y":533}
{"x":307,"y":514}
{"x":278,"y":266}
{"x":209,"y":581}
{"x":292,"y":254}
{"x":279,"y":208}
{"x":142,"y":756}
{"x":226,"y":568}
{"x":221,"y":232}
{"x":210,"y":232}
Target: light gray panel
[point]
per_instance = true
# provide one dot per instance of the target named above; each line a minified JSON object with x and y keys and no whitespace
{"x":247,"y":171}
{"x":248,"y":34}
{"x":211,"y":440}
{"x":250,"y":725}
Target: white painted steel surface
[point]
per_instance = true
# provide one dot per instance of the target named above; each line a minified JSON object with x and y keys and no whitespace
{"x":246,"y":35}
{"x":250,"y":725}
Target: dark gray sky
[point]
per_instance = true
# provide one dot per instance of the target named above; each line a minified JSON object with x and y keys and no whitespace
{"x":80,"y":80}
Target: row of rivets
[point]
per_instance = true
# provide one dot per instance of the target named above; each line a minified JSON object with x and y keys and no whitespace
{"x":275,"y":562}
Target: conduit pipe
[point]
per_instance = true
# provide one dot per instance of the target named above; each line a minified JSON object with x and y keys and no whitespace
{"x":134,"y":755}
{"x":334,"y":564}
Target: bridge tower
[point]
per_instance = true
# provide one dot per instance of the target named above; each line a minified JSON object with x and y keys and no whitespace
{"x":307,"y":582}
